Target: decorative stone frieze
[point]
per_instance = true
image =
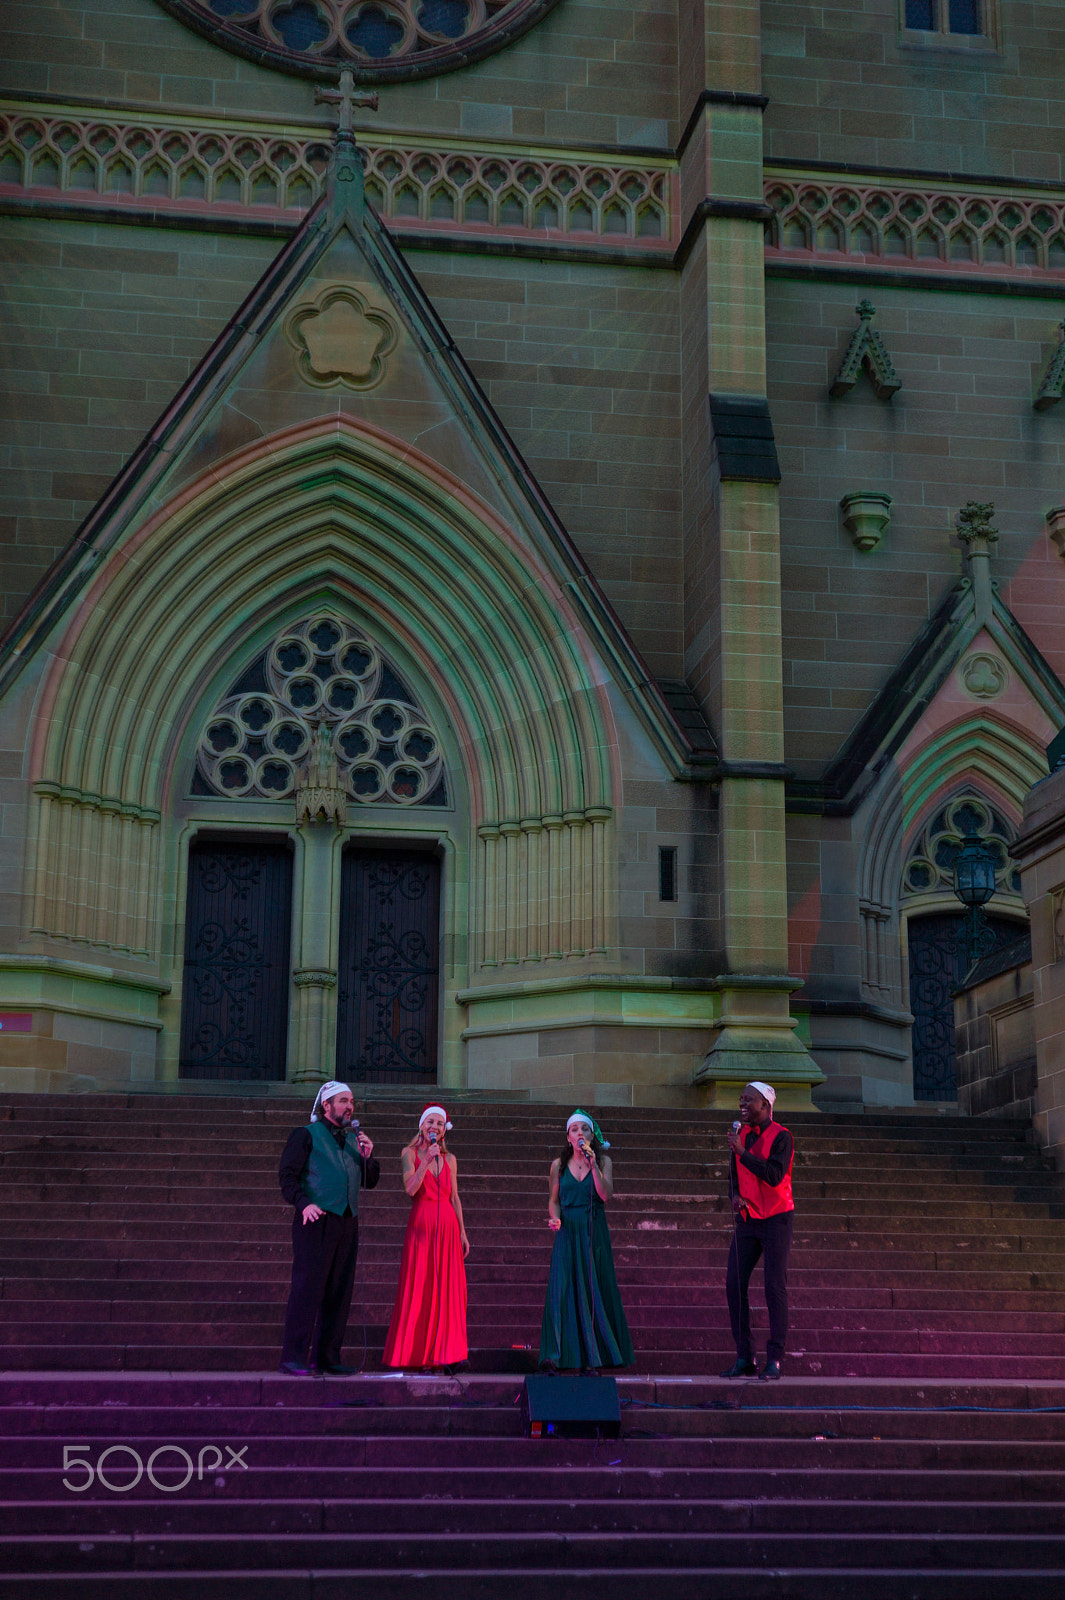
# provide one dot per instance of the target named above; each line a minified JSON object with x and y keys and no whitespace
{"x":236,"y":170}
{"x":240,"y":171}
{"x":832,"y":219}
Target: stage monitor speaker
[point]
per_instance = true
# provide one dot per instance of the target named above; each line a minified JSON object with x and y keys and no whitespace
{"x":570,"y":1408}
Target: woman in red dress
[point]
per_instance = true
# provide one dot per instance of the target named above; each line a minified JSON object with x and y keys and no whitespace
{"x":428,"y":1327}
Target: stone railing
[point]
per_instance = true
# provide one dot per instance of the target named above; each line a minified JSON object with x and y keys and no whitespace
{"x":244,"y":172}
{"x":829,"y":219}
{"x":248,"y":174}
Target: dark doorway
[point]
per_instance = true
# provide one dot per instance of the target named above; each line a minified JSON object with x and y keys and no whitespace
{"x":234,"y":1012}
{"x":388,"y":984}
{"x":938,"y":964}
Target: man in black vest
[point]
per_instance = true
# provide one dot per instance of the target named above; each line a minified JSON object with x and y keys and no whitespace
{"x":322,"y":1170}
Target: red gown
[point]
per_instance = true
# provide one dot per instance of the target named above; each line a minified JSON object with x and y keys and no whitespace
{"x":428,"y":1327}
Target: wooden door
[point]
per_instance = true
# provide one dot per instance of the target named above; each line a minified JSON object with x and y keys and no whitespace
{"x":938,"y":963}
{"x":234,"y":1012}
{"x":388,"y":985}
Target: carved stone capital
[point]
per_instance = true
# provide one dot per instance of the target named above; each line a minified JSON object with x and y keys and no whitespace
{"x":321,"y":805}
{"x":974,"y":527}
{"x":866,"y":514}
{"x":314,"y":978}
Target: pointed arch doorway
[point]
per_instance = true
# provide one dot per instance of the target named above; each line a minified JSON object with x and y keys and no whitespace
{"x":937,"y":959}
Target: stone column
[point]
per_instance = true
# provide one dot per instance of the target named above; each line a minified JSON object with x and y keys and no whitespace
{"x":1040,"y":853}
{"x":732,"y":541}
{"x":314,"y":998}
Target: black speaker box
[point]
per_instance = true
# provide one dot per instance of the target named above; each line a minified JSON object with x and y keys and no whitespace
{"x":570,"y":1408}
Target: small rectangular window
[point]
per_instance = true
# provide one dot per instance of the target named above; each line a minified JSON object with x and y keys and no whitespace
{"x":949,"y":22}
{"x":964,"y":16}
{"x":667,"y":872}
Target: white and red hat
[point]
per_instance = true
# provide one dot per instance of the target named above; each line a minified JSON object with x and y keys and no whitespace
{"x":440,"y":1113}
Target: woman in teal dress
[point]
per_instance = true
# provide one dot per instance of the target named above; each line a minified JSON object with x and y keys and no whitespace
{"x":584,"y":1325}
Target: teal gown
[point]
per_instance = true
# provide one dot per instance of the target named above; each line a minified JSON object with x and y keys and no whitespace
{"x":571,"y":1336}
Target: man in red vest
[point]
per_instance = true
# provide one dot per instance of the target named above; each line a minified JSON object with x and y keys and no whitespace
{"x":763,"y":1214}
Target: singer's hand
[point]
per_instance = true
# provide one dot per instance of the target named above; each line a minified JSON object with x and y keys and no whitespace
{"x":311,"y":1213}
{"x":365,"y":1145}
{"x":554,"y":1223}
{"x":735,"y":1140}
{"x":737,"y":1203}
{"x":465,"y":1245}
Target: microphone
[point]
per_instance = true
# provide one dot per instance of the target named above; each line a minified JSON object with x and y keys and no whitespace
{"x":736,"y":1126}
{"x":432,"y":1137}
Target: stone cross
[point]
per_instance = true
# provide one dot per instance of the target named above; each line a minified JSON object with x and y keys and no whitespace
{"x":345,"y":99}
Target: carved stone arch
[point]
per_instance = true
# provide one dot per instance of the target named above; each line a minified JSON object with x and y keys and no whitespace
{"x":482,"y":614}
{"x":991,"y":758}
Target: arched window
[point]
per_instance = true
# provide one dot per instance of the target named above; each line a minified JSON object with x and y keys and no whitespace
{"x":321,"y":680}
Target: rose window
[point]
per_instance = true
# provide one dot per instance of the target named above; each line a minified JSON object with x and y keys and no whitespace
{"x":380,"y":40}
{"x":930,"y":868}
{"x":321,"y":673}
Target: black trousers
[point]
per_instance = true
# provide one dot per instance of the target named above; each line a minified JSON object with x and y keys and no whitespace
{"x":752,"y":1240}
{"x":323,"y":1275}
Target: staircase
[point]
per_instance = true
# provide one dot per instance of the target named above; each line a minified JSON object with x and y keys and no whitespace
{"x":915,"y":1447}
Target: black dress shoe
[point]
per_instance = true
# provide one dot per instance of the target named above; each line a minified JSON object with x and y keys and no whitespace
{"x":771,"y":1370}
{"x":340,"y":1369}
{"x":743,"y":1369}
{"x":296,"y":1369}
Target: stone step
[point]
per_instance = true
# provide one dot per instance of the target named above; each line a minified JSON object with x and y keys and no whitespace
{"x":528,"y":1513}
{"x":502,"y":1552}
{"x":677,"y":1355}
{"x":212,"y":1279}
{"x":533,"y":1582}
{"x":697,"y":1305}
{"x":142,"y":1426}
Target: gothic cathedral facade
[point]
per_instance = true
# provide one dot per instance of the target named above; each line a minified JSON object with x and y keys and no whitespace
{"x":531,"y":529}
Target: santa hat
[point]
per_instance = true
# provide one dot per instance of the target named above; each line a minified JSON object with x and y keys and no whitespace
{"x":326,"y":1092}
{"x":440,"y":1113}
{"x":597,"y":1132}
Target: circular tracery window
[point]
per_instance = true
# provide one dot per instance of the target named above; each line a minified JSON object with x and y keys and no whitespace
{"x":382,"y":41}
